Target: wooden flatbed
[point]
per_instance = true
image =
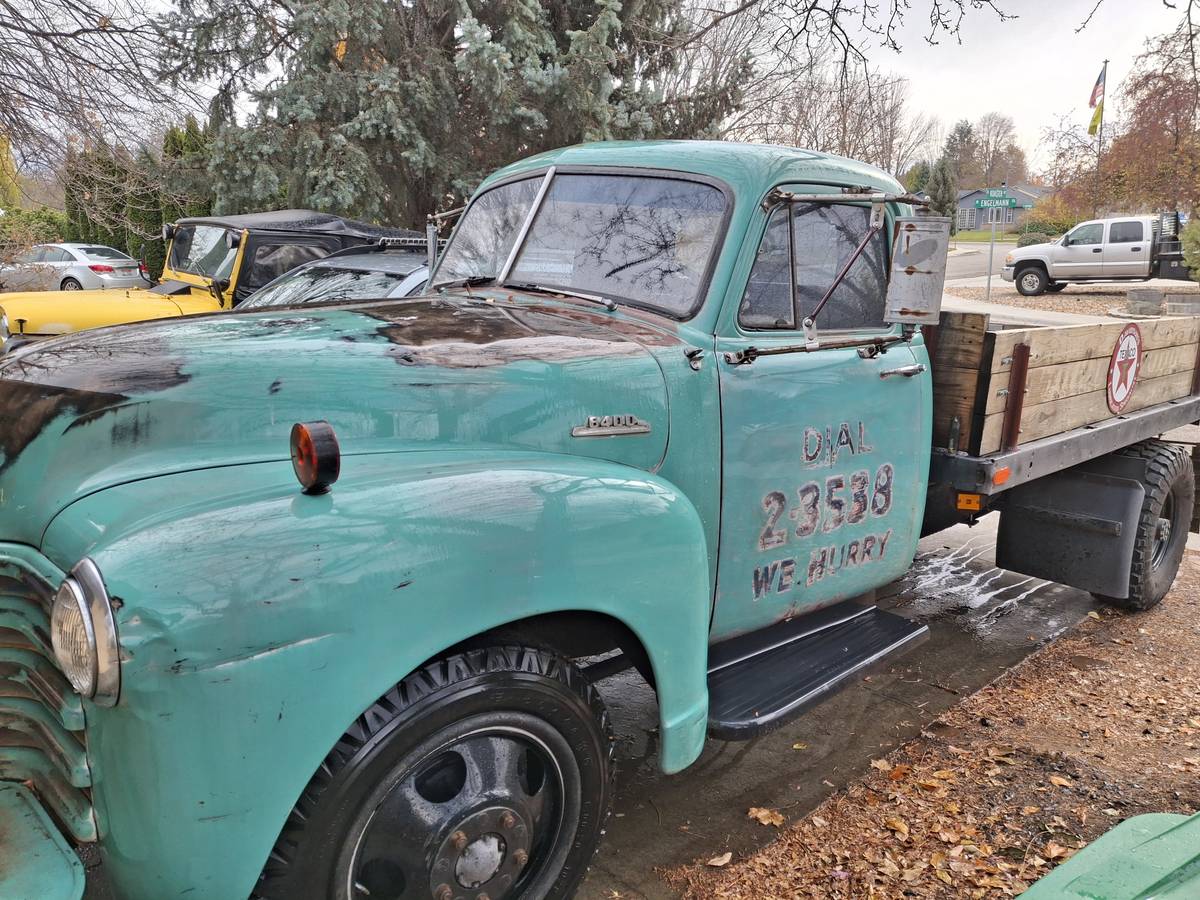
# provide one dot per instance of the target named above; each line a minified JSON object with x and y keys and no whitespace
{"x":1011,"y":405}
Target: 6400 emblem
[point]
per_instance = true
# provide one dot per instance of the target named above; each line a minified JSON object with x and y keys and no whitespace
{"x":606,"y":426}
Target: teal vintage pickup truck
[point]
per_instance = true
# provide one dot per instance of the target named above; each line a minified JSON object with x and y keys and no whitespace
{"x":311,"y":602}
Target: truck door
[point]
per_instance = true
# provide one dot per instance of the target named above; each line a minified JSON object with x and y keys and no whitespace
{"x":1081,"y":253}
{"x":1127,"y":250}
{"x":825,"y":453}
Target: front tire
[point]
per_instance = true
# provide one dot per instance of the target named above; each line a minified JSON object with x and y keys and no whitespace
{"x":487,"y":772}
{"x":1031,"y":281}
{"x":1162,"y":526}
{"x":70,"y":284}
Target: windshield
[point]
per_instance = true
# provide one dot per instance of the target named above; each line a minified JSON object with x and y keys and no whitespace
{"x":646,"y":240}
{"x":102,"y":253}
{"x":202,"y":250}
{"x":323,"y":284}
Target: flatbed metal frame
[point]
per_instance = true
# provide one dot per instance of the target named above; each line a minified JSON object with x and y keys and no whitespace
{"x":1036,"y":459}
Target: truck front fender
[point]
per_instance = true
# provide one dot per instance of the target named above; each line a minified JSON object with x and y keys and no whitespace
{"x":256,"y":623}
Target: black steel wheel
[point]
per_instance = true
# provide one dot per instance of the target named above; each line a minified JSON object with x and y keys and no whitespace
{"x":1162,"y":526}
{"x":1031,"y":281}
{"x":482,"y":776}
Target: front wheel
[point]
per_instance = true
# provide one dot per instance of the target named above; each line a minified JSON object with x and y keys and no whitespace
{"x":1162,"y":526}
{"x":484,"y":774}
{"x":1031,"y":282}
{"x":70,"y":284}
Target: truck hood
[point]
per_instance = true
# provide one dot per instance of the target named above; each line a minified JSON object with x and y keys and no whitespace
{"x":62,"y":312}
{"x":84,"y":412}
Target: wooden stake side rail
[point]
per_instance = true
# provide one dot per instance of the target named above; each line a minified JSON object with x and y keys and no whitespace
{"x":1064,"y":382}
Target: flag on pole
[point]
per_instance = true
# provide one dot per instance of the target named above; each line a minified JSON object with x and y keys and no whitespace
{"x":1097,"y":103}
{"x":1097,"y":91}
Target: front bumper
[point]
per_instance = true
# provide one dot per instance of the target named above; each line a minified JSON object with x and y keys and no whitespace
{"x":1008,"y":273}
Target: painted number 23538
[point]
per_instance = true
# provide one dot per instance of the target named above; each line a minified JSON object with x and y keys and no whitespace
{"x":828,"y":505}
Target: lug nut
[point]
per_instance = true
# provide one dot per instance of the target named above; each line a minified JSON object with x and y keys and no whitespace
{"x":443,"y":892}
{"x":507,"y":821}
{"x":521,"y":858}
{"x":458,"y":839}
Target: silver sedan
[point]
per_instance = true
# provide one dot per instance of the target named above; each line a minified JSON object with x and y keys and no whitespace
{"x":71,"y":267}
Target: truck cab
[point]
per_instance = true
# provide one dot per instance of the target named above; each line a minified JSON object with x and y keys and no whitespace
{"x":317,"y":598}
{"x":1121,"y":248}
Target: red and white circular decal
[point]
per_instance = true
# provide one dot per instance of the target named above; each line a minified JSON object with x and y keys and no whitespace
{"x":1124,"y":366}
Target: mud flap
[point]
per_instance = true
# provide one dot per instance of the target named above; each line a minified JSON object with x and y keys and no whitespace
{"x":1075,"y":527}
{"x":35,"y":861}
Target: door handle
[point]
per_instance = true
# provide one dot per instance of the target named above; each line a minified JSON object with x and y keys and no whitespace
{"x":1097,"y":249}
{"x":906,"y":371}
{"x":1135,"y":249}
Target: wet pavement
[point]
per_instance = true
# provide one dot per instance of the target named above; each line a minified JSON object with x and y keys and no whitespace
{"x":982,"y":620}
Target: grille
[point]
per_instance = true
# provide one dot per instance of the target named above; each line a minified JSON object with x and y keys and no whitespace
{"x":41,"y":719}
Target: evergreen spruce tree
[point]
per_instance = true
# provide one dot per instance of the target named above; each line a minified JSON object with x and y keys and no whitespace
{"x":943,"y":190}
{"x":391,"y":110}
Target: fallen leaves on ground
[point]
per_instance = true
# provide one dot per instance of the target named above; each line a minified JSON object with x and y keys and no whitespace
{"x":1099,"y":726}
{"x":765,"y":816}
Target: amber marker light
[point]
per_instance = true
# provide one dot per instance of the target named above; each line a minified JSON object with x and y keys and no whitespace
{"x":316,"y":457}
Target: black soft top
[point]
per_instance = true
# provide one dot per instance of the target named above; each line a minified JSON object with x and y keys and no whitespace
{"x":301,"y":220}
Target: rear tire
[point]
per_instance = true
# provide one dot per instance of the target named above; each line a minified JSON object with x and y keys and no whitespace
{"x":489,"y":771}
{"x":1162,"y":526}
{"x":1031,"y":281}
{"x":1055,"y":286}
{"x":70,"y":284}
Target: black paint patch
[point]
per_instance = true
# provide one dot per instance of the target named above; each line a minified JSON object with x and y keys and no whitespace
{"x":26,"y":410}
{"x":275,"y":386}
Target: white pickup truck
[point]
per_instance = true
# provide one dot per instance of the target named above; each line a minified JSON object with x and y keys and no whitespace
{"x":1122,"y":248}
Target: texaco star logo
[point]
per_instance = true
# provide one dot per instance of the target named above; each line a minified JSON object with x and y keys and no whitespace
{"x":1124,"y":366}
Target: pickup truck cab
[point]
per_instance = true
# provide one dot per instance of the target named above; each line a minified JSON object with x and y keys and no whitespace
{"x":312,"y":602}
{"x":1121,"y":248}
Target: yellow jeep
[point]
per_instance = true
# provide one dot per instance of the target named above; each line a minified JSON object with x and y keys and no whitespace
{"x":213,"y":263}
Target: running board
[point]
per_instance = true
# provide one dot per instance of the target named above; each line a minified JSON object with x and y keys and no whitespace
{"x":759,"y":681}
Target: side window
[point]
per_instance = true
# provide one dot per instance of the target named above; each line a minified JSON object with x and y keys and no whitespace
{"x":1087,"y":234}
{"x":767,"y":302}
{"x":825,"y":236}
{"x":57,"y":254}
{"x":269,"y":261}
{"x":1124,"y":232}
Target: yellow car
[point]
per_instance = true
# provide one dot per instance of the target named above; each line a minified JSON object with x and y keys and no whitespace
{"x":213,"y":263}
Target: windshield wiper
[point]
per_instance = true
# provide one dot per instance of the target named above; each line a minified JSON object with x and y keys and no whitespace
{"x":544,"y":289}
{"x":469,"y":282}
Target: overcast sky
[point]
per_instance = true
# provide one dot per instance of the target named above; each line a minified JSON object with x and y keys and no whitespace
{"x":1033,"y":68}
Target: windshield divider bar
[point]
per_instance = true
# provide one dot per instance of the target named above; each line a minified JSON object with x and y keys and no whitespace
{"x":525,"y":226}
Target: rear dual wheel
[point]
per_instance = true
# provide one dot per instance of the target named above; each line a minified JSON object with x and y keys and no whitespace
{"x":1163,"y":523}
{"x":485,"y":775}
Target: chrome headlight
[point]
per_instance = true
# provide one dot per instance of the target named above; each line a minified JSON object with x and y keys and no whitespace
{"x":84,"y":635}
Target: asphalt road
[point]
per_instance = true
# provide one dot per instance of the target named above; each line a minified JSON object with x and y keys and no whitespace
{"x":982,"y":620}
{"x":970,"y":259}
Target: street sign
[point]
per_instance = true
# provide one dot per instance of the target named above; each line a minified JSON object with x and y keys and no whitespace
{"x":996,"y":202}
{"x":1001,"y":193}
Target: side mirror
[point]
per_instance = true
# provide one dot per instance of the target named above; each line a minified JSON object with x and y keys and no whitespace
{"x":914,"y":295}
{"x":233,"y":239}
{"x":168,"y":232}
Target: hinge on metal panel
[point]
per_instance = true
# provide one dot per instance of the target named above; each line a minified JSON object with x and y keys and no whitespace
{"x":695,"y":357}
